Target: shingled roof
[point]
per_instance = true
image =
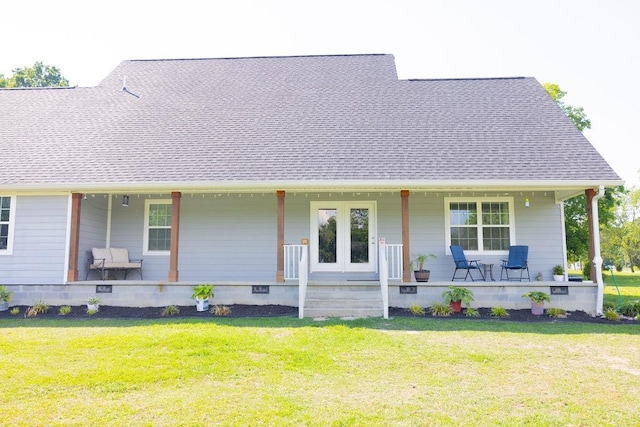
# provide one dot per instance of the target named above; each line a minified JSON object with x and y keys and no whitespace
{"x":290,"y":122}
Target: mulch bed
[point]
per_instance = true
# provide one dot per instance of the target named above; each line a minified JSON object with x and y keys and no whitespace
{"x":247,"y":311}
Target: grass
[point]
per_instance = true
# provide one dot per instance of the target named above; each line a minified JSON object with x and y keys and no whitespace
{"x":628,"y":283}
{"x":284,"y":371}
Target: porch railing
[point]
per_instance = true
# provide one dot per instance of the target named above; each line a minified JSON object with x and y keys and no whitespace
{"x":296,"y":266}
{"x":394,"y":261}
{"x":390,"y":267}
{"x":292,"y":256}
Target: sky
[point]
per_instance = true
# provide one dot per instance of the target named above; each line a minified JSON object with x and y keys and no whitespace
{"x":589,"y":47}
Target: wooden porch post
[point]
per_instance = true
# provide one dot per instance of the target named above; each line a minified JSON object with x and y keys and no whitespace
{"x":406,"y":249}
{"x":280,"y":238}
{"x":175,"y":236}
{"x":74,"y":238}
{"x":590,"y":194}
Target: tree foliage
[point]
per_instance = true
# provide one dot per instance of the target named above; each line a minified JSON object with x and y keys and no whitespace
{"x":575,"y":209}
{"x":621,"y":238}
{"x":39,"y":75}
{"x":576,"y":114}
{"x":575,"y":219}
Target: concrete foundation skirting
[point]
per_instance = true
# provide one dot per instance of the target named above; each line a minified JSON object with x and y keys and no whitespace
{"x":579,"y":295}
{"x":152,"y":294}
{"x":569,"y":296}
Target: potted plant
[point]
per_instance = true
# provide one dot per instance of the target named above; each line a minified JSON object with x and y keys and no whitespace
{"x":558,"y":273}
{"x":420,"y":273}
{"x":93,"y":304}
{"x":456,"y":295}
{"x":5,"y":297}
{"x":202,"y":293}
{"x":537,"y":301}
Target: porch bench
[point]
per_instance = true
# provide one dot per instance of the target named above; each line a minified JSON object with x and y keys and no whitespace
{"x":104,"y":260}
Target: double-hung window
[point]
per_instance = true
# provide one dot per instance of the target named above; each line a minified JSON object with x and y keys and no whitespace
{"x":480,"y":224}
{"x":157,"y":227}
{"x":7,"y":217}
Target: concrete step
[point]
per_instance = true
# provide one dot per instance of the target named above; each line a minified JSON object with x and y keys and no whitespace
{"x":343,"y":299}
{"x":342,"y":312}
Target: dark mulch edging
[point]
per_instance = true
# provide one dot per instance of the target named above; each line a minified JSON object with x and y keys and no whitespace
{"x":248,"y":311}
{"x":520,"y":316}
{"x":115,"y":312}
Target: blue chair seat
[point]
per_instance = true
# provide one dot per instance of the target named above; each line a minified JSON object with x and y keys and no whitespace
{"x":462,"y":263}
{"x":517,"y":260}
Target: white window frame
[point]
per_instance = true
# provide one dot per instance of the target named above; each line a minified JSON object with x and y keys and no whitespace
{"x":11,"y":223}
{"x":145,"y":241}
{"x":479,"y":201}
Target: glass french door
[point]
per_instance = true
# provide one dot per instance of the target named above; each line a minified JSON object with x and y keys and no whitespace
{"x":343,"y":236}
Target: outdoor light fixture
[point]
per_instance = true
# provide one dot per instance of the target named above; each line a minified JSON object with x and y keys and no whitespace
{"x":526,"y":202}
{"x":125,"y":200}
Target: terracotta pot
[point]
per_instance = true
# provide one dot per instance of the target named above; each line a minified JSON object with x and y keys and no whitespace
{"x":422,"y":275}
{"x":456,"y":306}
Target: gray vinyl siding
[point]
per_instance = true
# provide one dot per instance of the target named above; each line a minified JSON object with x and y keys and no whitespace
{"x":39,"y":242}
{"x":228,"y":237}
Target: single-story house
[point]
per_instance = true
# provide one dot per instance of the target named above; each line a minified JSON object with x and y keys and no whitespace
{"x":309,"y":181}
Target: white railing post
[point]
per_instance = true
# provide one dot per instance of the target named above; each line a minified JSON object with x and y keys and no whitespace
{"x":384,"y":277}
{"x":303,"y":278}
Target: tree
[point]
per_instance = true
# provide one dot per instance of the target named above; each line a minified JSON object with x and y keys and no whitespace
{"x":575,"y":209}
{"x":576,"y":114}
{"x":39,"y":75}
{"x":575,"y":219}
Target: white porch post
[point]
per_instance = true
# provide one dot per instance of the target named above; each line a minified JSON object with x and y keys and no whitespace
{"x":597,"y":259}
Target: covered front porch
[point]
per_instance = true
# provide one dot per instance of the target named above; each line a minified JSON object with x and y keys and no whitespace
{"x":237,"y":242}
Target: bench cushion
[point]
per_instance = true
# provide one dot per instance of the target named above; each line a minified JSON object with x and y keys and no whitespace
{"x":119,"y":255}
{"x":100,"y":254}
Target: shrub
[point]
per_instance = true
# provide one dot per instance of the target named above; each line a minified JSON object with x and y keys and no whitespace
{"x":586,"y":270}
{"x":15,"y":311}
{"x":537,"y":296}
{"x":416,"y":310}
{"x":608,"y":306}
{"x":170,"y":310}
{"x":458,"y":293}
{"x":64,"y":310}
{"x":92,"y":311}
{"x":499,"y":312}
{"x":37,"y":308}
{"x":441,"y":310}
{"x":220,"y":310}
{"x":610,"y":314}
{"x":471,"y":312}
{"x":630,"y":308}
{"x":556,"y":312}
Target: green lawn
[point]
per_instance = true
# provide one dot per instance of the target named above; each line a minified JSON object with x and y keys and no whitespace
{"x":284,"y":371}
{"x":628,"y":283}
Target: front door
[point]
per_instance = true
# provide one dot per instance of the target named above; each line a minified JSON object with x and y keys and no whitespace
{"x":343,"y":236}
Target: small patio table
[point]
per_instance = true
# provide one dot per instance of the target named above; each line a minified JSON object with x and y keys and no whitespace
{"x":488,"y":267}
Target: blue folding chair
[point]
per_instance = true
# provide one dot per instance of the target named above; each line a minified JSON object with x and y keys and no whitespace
{"x":517,"y":261}
{"x":462,"y":263}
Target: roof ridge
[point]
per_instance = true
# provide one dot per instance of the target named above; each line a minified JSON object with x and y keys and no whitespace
{"x":467,"y":78}
{"x":257,"y":57}
{"x":38,"y":88}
